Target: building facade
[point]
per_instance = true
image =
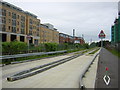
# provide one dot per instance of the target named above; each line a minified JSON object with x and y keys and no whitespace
{"x":115,"y":31}
{"x":79,"y":40}
{"x":65,"y":38}
{"x":13,"y":23}
{"x":24,"y":26}
{"x":16,"y":24}
{"x":48,"y":34}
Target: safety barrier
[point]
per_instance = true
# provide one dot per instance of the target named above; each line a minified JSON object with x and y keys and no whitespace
{"x":30,"y":54}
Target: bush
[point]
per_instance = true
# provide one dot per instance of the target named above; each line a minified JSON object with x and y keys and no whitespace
{"x":86,"y":46}
{"x":51,"y":46}
{"x":14,"y":47}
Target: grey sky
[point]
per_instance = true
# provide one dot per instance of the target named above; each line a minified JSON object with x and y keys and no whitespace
{"x":86,"y":18}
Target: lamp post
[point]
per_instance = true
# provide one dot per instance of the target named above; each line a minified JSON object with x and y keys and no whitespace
{"x":28,"y":38}
{"x":73,"y":37}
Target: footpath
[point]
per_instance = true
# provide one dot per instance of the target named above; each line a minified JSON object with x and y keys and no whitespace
{"x":110,"y":61}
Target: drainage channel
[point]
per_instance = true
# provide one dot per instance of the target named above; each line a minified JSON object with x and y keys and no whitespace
{"x":39,"y":69}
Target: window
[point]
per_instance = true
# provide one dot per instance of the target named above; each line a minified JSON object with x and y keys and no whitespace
{"x":9,"y":20}
{"x":38,"y":34}
{"x":37,"y":29}
{"x":14,"y":29}
{"x":3,"y":20}
{"x":17,"y":16}
{"x":14,"y":22}
{"x":17,"y":22}
{"x":17,"y":29}
{"x":37,"y":23}
{"x":22,"y":31}
{"x":3,"y":12}
{"x":30,"y":27}
{"x":22,"y":24}
{"x":31,"y":22}
{"x":8,"y":27}
{"x":3,"y":27}
{"x":9,"y":13}
{"x":13,"y":15}
{"x":30,"y":32}
{"x":22,"y":18}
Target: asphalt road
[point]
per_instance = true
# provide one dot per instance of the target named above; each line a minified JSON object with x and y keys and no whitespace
{"x":109,"y":60}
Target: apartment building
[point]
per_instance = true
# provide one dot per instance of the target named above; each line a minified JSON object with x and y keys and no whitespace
{"x":115,"y":31}
{"x":18,"y":24}
{"x":48,"y":34}
{"x":13,"y":22}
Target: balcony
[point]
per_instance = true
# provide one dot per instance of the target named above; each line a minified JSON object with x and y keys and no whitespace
{"x":14,"y":31}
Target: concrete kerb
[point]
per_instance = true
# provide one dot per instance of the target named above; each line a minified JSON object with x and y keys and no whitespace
{"x":81,"y":85}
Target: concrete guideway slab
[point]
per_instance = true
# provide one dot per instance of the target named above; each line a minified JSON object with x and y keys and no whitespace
{"x":90,"y":76}
{"x":12,"y":69}
{"x":63,"y":76}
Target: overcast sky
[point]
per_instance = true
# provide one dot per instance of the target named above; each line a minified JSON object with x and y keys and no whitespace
{"x":86,"y":18}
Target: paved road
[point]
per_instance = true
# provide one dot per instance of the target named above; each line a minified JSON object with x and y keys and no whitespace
{"x":107,"y":59}
{"x":63,"y":76}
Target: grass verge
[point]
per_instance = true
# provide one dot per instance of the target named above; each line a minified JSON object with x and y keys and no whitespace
{"x":8,"y":61}
{"x":94,"y":51}
{"x":115,"y":52}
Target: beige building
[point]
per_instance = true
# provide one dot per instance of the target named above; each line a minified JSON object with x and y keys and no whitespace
{"x":16,"y":24}
{"x":19,"y":25}
{"x":48,"y":34}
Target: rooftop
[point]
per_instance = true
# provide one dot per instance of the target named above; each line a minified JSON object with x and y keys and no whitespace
{"x":17,"y":8}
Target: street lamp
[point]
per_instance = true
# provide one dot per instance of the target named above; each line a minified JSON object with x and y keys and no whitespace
{"x":73,"y":37}
{"x":28,"y":38}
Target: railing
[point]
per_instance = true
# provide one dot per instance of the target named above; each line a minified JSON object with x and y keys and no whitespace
{"x":29,"y":54}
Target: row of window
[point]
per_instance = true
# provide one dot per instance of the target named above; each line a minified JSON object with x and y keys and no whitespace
{"x":33,"y":22}
{"x":14,"y":15}
{"x":13,"y":29}
{"x":33,"y":27}
{"x":34,"y":33}
{"x":13,"y":22}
